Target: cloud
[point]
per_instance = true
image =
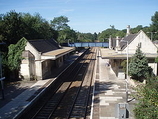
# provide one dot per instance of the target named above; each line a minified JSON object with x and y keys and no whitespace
{"x":65,"y":11}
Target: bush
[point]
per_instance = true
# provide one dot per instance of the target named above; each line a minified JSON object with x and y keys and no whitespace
{"x":15,"y":57}
{"x":147,"y":95}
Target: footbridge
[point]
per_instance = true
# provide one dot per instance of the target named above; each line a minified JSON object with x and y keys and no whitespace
{"x":89,"y":44}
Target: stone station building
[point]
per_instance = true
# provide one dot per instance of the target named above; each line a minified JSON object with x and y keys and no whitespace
{"x":41,"y":57}
{"x":120,"y":48}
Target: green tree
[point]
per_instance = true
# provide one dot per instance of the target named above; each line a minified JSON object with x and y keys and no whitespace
{"x":15,"y":57}
{"x":14,"y":26}
{"x":136,"y":29}
{"x":104,"y":35}
{"x":86,"y":37}
{"x":121,"y":34}
{"x":60,"y":23}
{"x":154,"y":25}
{"x":66,"y":34}
{"x":95,"y":36}
{"x":147,"y":96}
{"x":11,"y":27}
{"x":138,"y":66}
{"x":37,"y":28}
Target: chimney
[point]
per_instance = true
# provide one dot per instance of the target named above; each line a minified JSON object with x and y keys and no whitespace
{"x":128,"y":30}
{"x":110,"y":42}
{"x":117,"y":41}
{"x":117,"y":44}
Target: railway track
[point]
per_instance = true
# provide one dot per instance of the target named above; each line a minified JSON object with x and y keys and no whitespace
{"x":71,"y":96}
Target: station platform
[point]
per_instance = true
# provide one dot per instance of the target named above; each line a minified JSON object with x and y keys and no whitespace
{"x":18,"y":104}
{"x":108,"y":92}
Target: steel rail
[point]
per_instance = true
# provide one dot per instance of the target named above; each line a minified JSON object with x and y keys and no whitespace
{"x":80,"y":93}
{"x":36,"y":115}
{"x":77,"y":90}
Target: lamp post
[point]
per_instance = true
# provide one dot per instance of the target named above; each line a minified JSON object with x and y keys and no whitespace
{"x":126,"y":70}
{"x":151,"y":35}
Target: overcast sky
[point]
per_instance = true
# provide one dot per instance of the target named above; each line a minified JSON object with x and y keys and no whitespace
{"x":88,"y":15}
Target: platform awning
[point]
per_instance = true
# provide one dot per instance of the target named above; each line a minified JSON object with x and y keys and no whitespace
{"x":112,"y":54}
{"x":57,"y":53}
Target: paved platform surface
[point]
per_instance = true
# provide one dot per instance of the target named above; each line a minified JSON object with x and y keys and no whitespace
{"x":10,"y":110}
{"x":108,"y":92}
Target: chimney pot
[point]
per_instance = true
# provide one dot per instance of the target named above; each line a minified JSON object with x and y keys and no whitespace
{"x":128,"y":30}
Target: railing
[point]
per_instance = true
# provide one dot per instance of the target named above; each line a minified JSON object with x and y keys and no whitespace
{"x":89,"y":44}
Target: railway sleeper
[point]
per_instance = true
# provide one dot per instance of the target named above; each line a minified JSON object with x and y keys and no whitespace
{"x":41,"y":117}
{"x":80,"y":105}
{"x":77,"y":117}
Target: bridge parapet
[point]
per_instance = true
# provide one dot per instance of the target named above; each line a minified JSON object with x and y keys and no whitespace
{"x":89,"y":44}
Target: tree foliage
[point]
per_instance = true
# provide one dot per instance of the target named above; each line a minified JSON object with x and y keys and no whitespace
{"x":104,"y":35}
{"x":37,"y":28}
{"x":147,"y":96}
{"x":67,"y":34}
{"x":124,"y":65}
{"x":15,"y":54}
{"x":11,"y":27}
{"x":14,"y":26}
{"x":136,"y":29}
{"x":86,"y":37}
{"x":60,"y":23}
{"x":120,"y":33}
{"x":95,"y":36}
{"x":154,"y":25}
{"x":138,"y":66}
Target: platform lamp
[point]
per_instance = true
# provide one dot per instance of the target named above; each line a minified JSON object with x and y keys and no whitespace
{"x":151,"y":35}
{"x":126,"y":70}
{"x":1,"y":76}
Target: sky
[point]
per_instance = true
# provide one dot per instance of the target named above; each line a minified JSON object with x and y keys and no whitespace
{"x":88,"y":16}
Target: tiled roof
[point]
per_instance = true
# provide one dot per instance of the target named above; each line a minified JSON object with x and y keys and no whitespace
{"x":128,"y":38}
{"x":43,"y":45}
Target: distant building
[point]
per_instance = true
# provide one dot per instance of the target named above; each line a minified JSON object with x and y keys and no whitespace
{"x":117,"y":51}
{"x":41,"y":56}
